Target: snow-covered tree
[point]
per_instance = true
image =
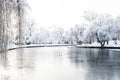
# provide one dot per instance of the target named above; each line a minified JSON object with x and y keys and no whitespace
{"x":6,"y":7}
{"x":77,"y":33}
{"x":29,"y":29}
{"x":58,"y":34}
{"x":116,"y":28}
{"x":40,"y":36}
{"x":20,"y":10}
{"x":101,"y":27}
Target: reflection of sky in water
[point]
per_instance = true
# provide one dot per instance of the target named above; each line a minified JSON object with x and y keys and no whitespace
{"x":60,"y":63}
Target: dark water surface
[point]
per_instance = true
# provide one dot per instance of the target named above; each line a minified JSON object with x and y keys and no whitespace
{"x":60,"y":63}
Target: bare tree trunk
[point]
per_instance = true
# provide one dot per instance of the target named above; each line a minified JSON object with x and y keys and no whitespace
{"x":102,"y":42}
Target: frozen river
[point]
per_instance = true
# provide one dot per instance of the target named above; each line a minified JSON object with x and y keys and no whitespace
{"x":60,"y":63}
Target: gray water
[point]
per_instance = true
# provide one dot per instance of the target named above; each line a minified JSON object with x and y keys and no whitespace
{"x":60,"y":63}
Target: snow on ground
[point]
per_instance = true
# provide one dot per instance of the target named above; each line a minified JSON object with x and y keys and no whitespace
{"x":12,"y":46}
{"x":112,"y":44}
{"x":95,"y":44}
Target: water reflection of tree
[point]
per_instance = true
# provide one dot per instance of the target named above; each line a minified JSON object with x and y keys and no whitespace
{"x":98,"y":58}
{"x":102,"y":68}
{"x":81,"y":55}
{"x":100,"y":63}
{"x":4,"y":77}
{"x":3,"y":60}
{"x":103,"y":57}
{"x":25,"y":58}
{"x":3,"y":66}
{"x":75,"y":56}
{"x":100,"y":74}
{"x":95,"y":57}
{"x":20,"y":58}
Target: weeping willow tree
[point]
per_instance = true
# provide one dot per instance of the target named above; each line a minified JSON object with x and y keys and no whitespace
{"x":5,"y":12}
{"x":22,"y":6}
{"x":7,"y":9}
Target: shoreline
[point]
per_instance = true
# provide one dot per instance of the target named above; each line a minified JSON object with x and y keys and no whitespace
{"x":35,"y":46}
{"x":99,"y":46}
{"x":62,"y":45}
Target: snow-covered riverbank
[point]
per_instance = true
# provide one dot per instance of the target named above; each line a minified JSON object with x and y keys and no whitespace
{"x":97,"y":45}
{"x":111,"y":45}
{"x":12,"y":46}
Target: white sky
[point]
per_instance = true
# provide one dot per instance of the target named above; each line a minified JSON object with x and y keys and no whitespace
{"x":69,"y":12}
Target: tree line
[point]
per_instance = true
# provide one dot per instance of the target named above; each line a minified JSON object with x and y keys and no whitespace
{"x":100,"y":28}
